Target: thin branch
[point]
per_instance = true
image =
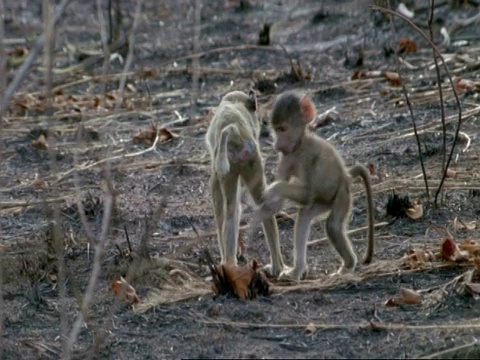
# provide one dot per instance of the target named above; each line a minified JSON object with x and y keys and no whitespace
{"x":99,"y":251}
{"x":131,"y":47}
{"x":420,"y":32}
{"x":410,"y":109}
{"x":195,"y":59}
{"x":439,"y":83}
{"x":3,"y":78}
{"x":32,"y":56}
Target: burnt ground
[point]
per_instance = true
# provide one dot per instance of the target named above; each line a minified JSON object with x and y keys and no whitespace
{"x":162,"y":196}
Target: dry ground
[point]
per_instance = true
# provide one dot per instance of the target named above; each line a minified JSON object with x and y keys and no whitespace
{"x":162,"y":196}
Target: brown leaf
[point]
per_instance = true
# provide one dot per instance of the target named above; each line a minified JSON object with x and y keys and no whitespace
{"x":451,"y":173}
{"x":406,"y":46}
{"x":405,"y":297}
{"x":465,"y":85}
{"x":473,"y":288}
{"x":165,"y":134}
{"x":450,"y":251}
{"x":417,"y":258}
{"x":146,"y":137}
{"x":393,"y":77}
{"x":240,"y":278}
{"x":310,"y":328}
{"x":40,"y":143}
{"x":416,"y":211}
{"x":124,"y":291}
{"x":462,"y":225}
{"x":470,"y":246}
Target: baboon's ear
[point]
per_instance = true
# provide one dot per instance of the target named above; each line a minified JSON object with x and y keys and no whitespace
{"x":308,"y":109}
{"x":252,"y":100}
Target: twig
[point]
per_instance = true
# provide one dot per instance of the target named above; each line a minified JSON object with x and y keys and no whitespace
{"x":99,"y":250}
{"x":85,"y":167}
{"x":349,"y":232}
{"x":420,"y":32}
{"x":466,"y":351}
{"x":439,"y":84}
{"x":195,"y":59}
{"x":32,"y":56}
{"x":3,"y":77}
{"x":358,"y":325}
{"x":407,"y":99}
{"x":131,"y":46}
{"x":106,"y":51}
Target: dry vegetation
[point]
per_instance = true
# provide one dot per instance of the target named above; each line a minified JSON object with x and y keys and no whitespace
{"x":105,"y":219}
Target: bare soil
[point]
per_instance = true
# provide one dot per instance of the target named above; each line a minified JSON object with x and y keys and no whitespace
{"x":162,"y":197}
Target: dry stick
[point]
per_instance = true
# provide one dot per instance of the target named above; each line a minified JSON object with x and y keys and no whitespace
{"x":32,"y":56}
{"x":352,"y":231}
{"x":108,"y":159}
{"x":131,"y":46}
{"x":420,"y":32}
{"x":358,"y":325}
{"x":48,"y":8}
{"x":3,"y":77}
{"x":439,"y":83}
{"x":99,"y":250}
{"x":222,"y":49}
{"x":457,"y":352}
{"x":106,"y":53}
{"x":410,"y":109}
{"x":195,"y":59}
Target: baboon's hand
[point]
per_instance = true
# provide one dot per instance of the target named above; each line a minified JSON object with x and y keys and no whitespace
{"x":272,"y":201}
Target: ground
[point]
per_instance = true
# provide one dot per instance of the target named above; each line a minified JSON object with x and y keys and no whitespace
{"x":52,"y":200}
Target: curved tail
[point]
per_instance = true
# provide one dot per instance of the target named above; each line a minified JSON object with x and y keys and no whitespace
{"x":360,"y":170}
{"x":222,"y":164}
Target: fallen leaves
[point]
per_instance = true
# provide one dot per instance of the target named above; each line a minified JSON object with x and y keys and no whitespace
{"x":40,"y":143}
{"x":405,"y":297}
{"x":466,"y":85}
{"x":415,"y":211}
{"x":417,"y":258}
{"x":393,"y":78}
{"x":148,"y":136}
{"x":124,"y":291}
{"x":464,"y":225}
{"x":452,"y":252}
{"x":406,"y":45}
{"x":241,"y":282}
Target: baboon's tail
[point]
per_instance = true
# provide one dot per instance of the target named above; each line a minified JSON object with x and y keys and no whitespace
{"x":222,"y":164}
{"x":360,"y":170}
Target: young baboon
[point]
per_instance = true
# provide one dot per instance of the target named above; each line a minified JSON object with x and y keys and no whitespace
{"x":321,"y":183}
{"x":232,"y":140}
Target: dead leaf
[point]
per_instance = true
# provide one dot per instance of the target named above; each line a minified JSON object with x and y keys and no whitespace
{"x":450,"y":173}
{"x":310,"y":328}
{"x":393,"y":77}
{"x":415,"y":211}
{"x":406,"y":46}
{"x":124,"y":291}
{"x":405,"y":297}
{"x":242,"y":282}
{"x":465,"y":85}
{"x":165,"y":134}
{"x":40,"y":143}
{"x":417,"y":258}
{"x":240,"y":278}
{"x":470,"y":246}
{"x":462,"y":225}
{"x":146,"y":137}
{"x":473,"y":288}
{"x":450,"y":251}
